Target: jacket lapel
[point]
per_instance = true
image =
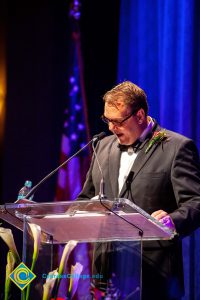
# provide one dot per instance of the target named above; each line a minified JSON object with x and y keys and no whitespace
{"x":142,"y":158}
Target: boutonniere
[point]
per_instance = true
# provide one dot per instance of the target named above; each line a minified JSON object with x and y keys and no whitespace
{"x":157,"y":137}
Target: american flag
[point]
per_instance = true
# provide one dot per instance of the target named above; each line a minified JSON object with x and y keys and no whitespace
{"x":75,"y":129}
{"x":75,"y":135}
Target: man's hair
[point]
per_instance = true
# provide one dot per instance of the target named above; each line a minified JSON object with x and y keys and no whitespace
{"x":130,"y":94}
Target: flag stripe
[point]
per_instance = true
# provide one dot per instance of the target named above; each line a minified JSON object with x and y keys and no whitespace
{"x":75,"y":135}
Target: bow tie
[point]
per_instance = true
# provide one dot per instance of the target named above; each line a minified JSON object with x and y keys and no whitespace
{"x":133,"y":147}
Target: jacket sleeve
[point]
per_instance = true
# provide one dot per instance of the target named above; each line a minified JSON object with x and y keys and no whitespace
{"x":185,"y":176}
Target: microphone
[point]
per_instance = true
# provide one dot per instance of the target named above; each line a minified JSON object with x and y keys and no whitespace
{"x":98,"y":137}
{"x":95,"y":138}
{"x":128,"y":182}
{"x":129,"y":179}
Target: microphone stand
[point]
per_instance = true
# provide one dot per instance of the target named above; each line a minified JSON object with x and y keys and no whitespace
{"x":96,"y":137}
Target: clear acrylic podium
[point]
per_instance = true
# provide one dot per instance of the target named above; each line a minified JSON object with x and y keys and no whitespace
{"x":110,"y":234}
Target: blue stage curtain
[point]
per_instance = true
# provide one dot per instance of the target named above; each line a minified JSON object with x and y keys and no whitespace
{"x":159,"y":49}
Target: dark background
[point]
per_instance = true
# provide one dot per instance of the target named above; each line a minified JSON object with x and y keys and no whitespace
{"x":37,"y":57}
{"x":37,"y":36}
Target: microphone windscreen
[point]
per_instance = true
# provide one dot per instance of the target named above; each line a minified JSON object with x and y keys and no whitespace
{"x":100,"y":136}
{"x":129,"y":179}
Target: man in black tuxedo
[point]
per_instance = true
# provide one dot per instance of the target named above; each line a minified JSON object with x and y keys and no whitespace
{"x":165,"y":182}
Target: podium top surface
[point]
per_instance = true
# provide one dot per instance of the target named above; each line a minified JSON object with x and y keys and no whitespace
{"x":87,"y":220}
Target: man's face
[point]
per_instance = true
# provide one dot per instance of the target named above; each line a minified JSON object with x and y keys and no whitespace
{"x":129,"y":130}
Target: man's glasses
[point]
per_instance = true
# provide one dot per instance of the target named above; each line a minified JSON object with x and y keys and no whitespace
{"x":117,"y":122}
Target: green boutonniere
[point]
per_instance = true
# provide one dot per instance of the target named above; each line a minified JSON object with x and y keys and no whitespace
{"x":157,"y":137}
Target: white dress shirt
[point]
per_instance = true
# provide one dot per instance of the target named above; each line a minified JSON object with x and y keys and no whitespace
{"x":128,"y":157}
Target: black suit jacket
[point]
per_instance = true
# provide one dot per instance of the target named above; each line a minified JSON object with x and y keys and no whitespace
{"x":167,"y":177}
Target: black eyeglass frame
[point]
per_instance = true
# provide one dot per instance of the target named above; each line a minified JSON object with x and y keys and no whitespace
{"x":117,"y":123}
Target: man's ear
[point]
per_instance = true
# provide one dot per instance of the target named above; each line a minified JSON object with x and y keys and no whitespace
{"x":140,"y":115}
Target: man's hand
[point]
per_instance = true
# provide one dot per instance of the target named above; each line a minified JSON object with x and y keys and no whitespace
{"x":163,"y":217}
